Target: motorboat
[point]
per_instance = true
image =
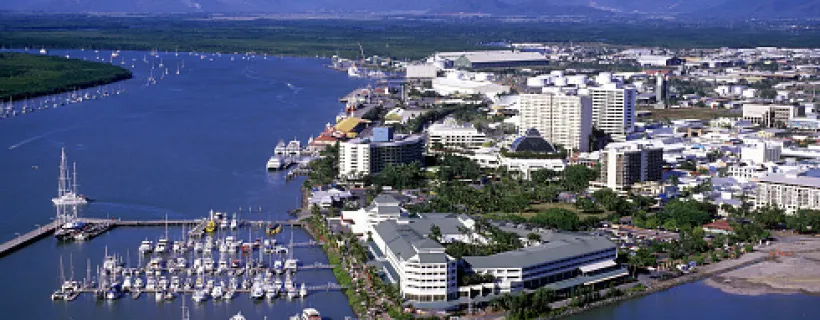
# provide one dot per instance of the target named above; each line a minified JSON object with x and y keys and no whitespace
{"x":311,"y":314}
{"x":303,"y":291}
{"x":146,"y":247}
{"x":138,"y":283}
{"x":257,"y":292}
{"x":229,"y":294}
{"x":217,"y":292}
{"x":162,"y":246}
{"x":238,"y":316}
{"x":200,"y":296}
{"x":291,"y":264}
{"x":114,"y":292}
{"x":271,"y":292}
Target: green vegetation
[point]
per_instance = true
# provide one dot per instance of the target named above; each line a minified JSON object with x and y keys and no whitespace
{"x":404,"y":38}
{"x":498,"y":241}
{"x":325,"y":169}
{"x":25,"y":75}
{"x":403,"y":176}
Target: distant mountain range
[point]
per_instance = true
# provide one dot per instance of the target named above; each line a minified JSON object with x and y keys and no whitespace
{"x":713,"y":9}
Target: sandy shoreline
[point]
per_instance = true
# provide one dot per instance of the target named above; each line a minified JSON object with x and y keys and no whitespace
{"x":794,"y":268}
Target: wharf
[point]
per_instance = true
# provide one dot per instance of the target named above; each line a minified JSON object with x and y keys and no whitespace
{"x":27,"y":238}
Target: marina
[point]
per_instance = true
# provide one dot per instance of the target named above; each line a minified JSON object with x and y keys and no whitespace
{"x":155,"y":160}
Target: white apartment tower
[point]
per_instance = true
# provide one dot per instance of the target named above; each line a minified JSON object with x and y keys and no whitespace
{"x":560,"y":119}
{"x":354,"y":159}
{"x":613,"y":109}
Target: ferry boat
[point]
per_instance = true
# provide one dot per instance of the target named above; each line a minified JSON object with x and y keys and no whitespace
{"x":67,"y":188}
{"x":278,"y":163}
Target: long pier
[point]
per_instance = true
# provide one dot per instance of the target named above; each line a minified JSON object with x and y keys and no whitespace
{"x":28,"y":237}
{"x":22,"y":240}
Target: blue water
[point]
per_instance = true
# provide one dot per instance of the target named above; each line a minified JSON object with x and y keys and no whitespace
{"x":699,"y":301}
{"x":192,"y":142}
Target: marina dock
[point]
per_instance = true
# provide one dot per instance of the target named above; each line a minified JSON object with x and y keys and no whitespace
{"x":198,"y":229}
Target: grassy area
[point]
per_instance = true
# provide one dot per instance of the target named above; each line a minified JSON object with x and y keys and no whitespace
{"x":690,"y":113}
{"x":26,"y":75}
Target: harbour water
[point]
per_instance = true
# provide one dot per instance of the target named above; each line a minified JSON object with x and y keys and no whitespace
{"x":700,"y":301}
{"x":187,"y":144}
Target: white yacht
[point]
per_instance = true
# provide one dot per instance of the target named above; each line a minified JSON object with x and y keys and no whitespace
{"x":238,"y":316}
{"x":200,"y":296}
{"x":291,"y":264}
{"x":67,"y":187}
{"x":217,"y":292}
{"x":234,"y":222}
{"x":162,"y":246}
{"x":257,"y":292}
{"x":146,"y":247}
{"x":311,"y":314}
{"x":303,"y":291}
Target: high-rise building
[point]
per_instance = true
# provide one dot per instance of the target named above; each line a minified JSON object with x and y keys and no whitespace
{"x":625,"y":164}
{"x":613,"y":109}
{"x":364,"y":156}
{"x":661,"y":91}
{"x":560,"y":119}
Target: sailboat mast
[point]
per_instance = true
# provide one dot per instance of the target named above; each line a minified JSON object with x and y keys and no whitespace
{"x":62,"y":272}
{"x":63,"y":183}
{"x":74,"y":179}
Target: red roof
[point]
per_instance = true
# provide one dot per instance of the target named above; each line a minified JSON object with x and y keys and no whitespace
{"x":719,"y":225}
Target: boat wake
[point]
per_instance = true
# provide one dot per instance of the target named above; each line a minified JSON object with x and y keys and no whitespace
{"x":293,"y":88}
{"x":38,"y":137}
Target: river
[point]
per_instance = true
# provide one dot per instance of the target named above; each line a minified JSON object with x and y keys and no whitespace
{"x":190,"y":143}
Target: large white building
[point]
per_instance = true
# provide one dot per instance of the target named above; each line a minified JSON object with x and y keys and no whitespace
{"x":424,"y":271}
{"x":451,"y":134}
{"x":560,"y":119}
{"x":770,"y":115}
{"x":789,"y":192}
{"x":613,"y":108}
{"x":760,"y":152}
{"x":363,"y":156}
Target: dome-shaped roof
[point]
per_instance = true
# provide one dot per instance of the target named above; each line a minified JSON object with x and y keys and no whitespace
{"x":532,"y":142}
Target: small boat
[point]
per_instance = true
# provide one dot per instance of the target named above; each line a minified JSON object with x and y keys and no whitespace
{"x":162,"y":246}
{"x":274,"y":229}
{"x":238,"y":316}
{"x":58,"y":295}
{"x":311,"y":314}
{"x":114,"y":292}
{"x":210,"y":227}
{"x":234,"y":222}
{"x":229,"y":294}
{"x":200,"y":296}
{"x":303,"y":291}
{"x":146,"y":247}
{"x":257,"y":292}
{"x":136,"y":294}
{"x":217,"y":292}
